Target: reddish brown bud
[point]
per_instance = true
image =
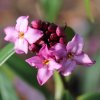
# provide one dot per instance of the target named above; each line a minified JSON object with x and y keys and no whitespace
{"x":36,"y":24}
{"x":62,"y":40}
{"x":33,"y":48}
{"x":60,"y":31}
{"x":47,"y":33}
{"x":54,"y":37}
{"x":52,"y":28}
{"x":45,"y":25}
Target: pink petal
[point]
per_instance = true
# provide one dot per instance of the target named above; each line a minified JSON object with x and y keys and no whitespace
{"x":67,"y":67}
{"x":22,"y":24}
{"x":53,"y":65}
{"x":75,"y":45}
{"x":21,"y":46}
{"x":32,"y":35}
{"x":11,"y":34}
{"x":83,"y":59}
{"x":59,"y":50}
{"x":45,"y":52}
{"x":43,"y":75}
{"x":35,"y":61}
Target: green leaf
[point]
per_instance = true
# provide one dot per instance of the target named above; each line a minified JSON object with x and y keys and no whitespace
{"x":28,"y":73}
{"x":91,"y":77}
{"x":6,"y":88}
{"x":51,"y":9}
{"x":69,"y":33}
{"x":58,"y":86}
{"x":67,"y":96}
{"x":6,"y":53}
{"x":88,"y":10}
{"x":89,"y":96}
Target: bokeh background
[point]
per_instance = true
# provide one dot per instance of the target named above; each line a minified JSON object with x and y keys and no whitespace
{"x":18,"y":79}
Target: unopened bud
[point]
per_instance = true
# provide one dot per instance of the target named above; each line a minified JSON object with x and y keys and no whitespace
{"x":60,"y":31}
{"x":52,"y":28}
{"x":36,"y":24}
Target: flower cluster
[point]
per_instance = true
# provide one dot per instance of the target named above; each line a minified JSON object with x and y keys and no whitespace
{"x":48,"y":41}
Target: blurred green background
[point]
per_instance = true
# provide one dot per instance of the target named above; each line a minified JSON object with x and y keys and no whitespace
{"x":18,"y":79}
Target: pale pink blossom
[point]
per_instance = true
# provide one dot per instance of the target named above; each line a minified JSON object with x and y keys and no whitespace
{"x":22,"y":35}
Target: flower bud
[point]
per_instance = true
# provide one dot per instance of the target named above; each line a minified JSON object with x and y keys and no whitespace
{"x":62,"y":40}
{"x":60,"y":31}
{"x":52,"y":28}
{"x":36,"y":24}
{"x":33,"y":48}
{"x":53,"y":37}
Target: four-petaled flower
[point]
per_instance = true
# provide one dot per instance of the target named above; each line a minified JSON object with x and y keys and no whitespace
{"x":45,"y":64}
{"x":71,"y":55}
{"x":22,"y":34}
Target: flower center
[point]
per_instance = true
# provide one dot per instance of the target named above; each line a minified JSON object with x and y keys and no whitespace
{"x":70,"y":55}
{"x":46,"y":62}
{"x":21,"y":35}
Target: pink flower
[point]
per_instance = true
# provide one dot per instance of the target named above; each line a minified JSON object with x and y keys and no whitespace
{"x":22,"y":34}
{"x":45,"y":64}
{"x":72,"y":55}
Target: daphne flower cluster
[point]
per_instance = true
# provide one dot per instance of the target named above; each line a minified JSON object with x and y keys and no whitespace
{"x":48,"y":41}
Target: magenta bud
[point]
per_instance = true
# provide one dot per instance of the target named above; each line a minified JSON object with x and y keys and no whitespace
{"x":52,"y":44}
{"x":52,"y":28}
{"x":62,"y":40}
{"x":33,"y":48}
{"x":36,"y":24}
{"x":60,"y":31}
{"x":53,"y":36}
{"x":41,"y":42}
{"x":47,"y":33}
{"x":45,"y":25}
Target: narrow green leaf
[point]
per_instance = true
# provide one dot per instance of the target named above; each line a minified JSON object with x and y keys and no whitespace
{"x":91,"y":78}
{"x":6,"y":53}
{"x":6,"y":88}
{"x":67,"y":96}
{"x":88,"y":10}
{"x":28,"y":73}
{"x":58,"y":86}
{"x":89,"y":96}
{"x":51,"y":9}
{"x":69,"y":33}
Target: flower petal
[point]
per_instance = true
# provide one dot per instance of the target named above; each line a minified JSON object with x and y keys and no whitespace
{"x":45,"y":52}
{"x":43,"y":75}
{"x":35,"y":61}
{"x":21,"y":46}
{"x":67,"y":67}
{"x":22,"y":24}
{"x":11,"y":34}
{"x":59,"y":50}
{"x":75,"y":45}
{"x":32,"y":35}
{"x":53,"y":65}
{"x":83,"y":59}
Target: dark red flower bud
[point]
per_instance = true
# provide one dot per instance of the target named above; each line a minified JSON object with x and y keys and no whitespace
{"x":47,"y":33}
{"x":52,"y":28}
{"x":52,"y":43}
{"x":34,"y":48}
{"x":41,"y":42}
{"x":62,"y":40}
{"x":60,"y":31}
{"x":45,"y":26}
{"x":53,"y":36}
{"x":36,"y":24}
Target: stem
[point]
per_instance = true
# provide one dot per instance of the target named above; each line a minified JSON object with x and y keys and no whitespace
{"x":66,"y":85}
